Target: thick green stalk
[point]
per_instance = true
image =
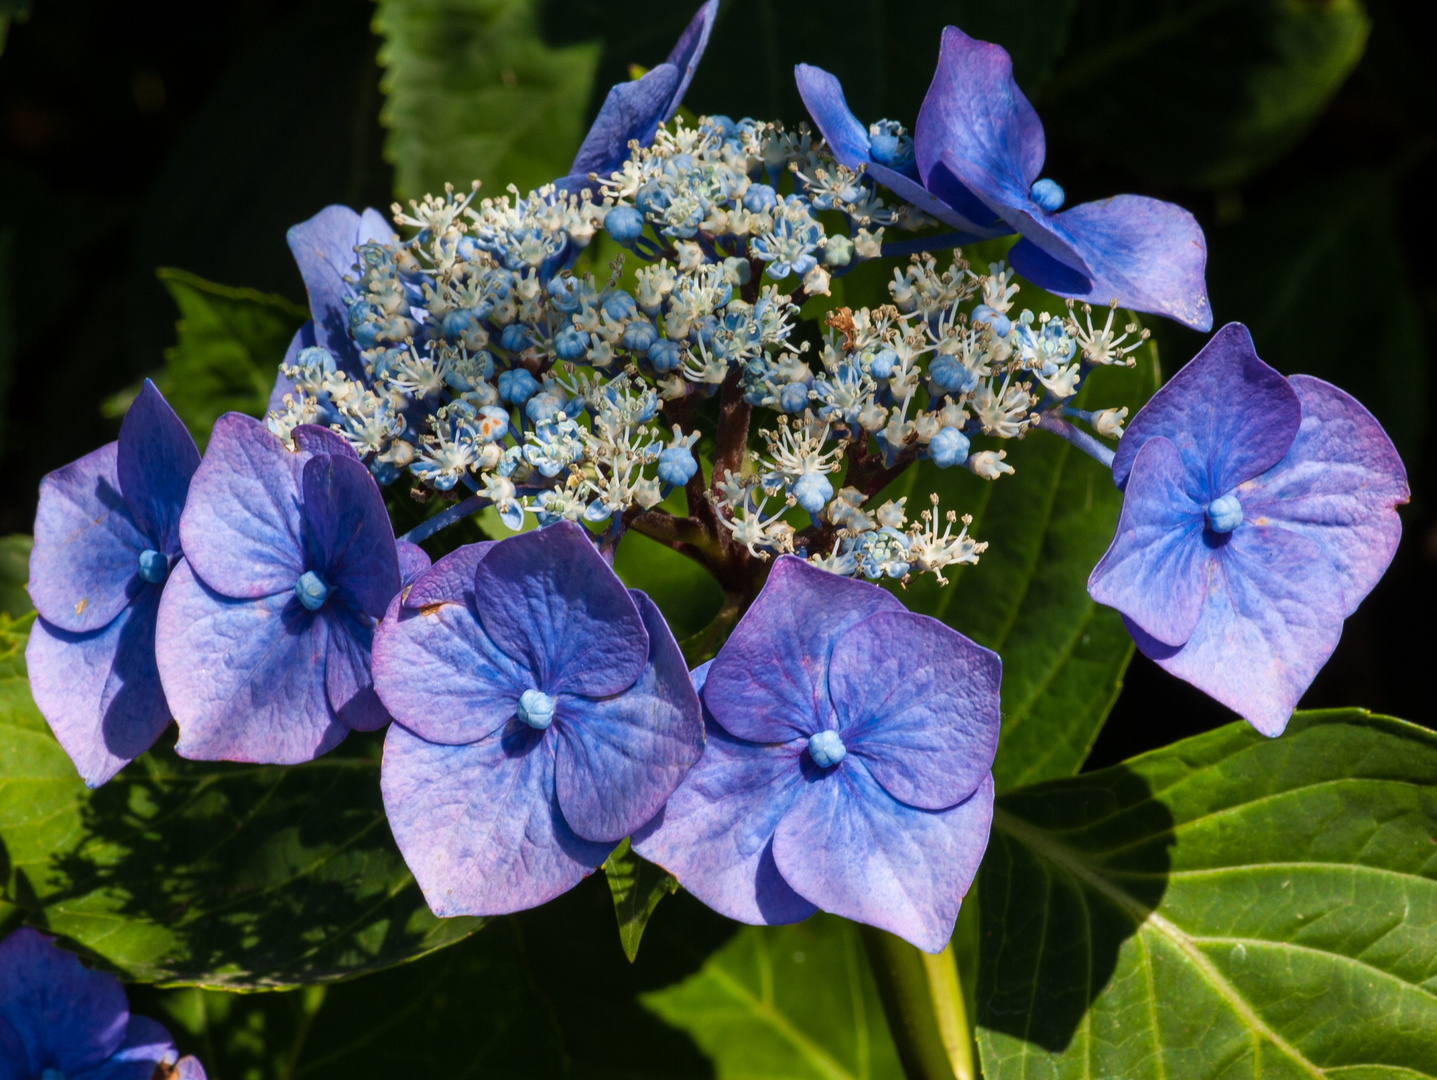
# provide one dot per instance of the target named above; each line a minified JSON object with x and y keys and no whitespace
{"x":923,"y":1001}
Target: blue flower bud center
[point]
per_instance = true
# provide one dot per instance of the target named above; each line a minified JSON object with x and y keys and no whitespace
{"x":311,"y":590}
{"x":536,"y":709}
{"x":1224,"y":514}
{"x":154,"y":567}
{"x":52,"y":1074}
{"x":1047,"y":194}
{"x":826,"y":749}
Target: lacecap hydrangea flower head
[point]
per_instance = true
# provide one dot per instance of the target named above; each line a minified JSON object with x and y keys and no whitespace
{"x":106,"y":540}
{"x":60,"y":1021}
{"x":848,"y":768}
{"x":1257,"y":513}
{"x":543,"y":713}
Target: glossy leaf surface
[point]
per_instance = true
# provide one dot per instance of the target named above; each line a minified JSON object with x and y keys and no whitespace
{"x":471,"y":1010}
{"x":792,"y":1002}
{"x":1226,"y":906}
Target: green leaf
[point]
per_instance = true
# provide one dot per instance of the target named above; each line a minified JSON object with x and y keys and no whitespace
{"x":206,"y":872}
{"x":1226,"y":906}
{"x":1027,"y":598}
{"x":791,"y":1002}
{"x":14,"y":574}
{"x":1227,"y":86}
{"x":637,"y":886}
{"x":473,"y":92}
{"x":471,"y":1010}
{"x":231,"y":342}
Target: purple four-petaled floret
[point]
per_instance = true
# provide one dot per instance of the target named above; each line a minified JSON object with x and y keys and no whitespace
{"x":265,"y":630}
{"x":106,"y":539}
{"x":58,"y":1018}
{"x":850,"y":744}
{"x":978,"y":158}
{"x":1257,"y":513}
{"x":543,"y":712}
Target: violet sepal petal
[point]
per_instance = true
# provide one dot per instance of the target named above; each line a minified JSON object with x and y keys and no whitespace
{"x":1230,"y":415}
{"x":769,"y":683}
{"x":918,"y":703}
{"x":84,"y":567}
{"x":1272,"y":618}
{"x":435,"y":668}
{"x":157,"y":458}
{"x":1338,"y":484}
{"x":241,"y":526}
{"x":881,"y":861}
{"x":101,"y":691}
{"x":1146,"y":254}
{"x":348,"y":682}
{"x":631,"y":110}
{"x":689,"y":50}
{"x":245,"y":678}
{"x":67,"y":1017}
{"x":1155,"y":571}
{"x":479,"y":825}
{"x":552,"y":603}
{"x":715,"y":834}
{"x":349,"y":541}
{"x":619,"y":758}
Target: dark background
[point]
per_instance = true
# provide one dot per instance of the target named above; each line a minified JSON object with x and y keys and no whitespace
{"x":140,"y":135}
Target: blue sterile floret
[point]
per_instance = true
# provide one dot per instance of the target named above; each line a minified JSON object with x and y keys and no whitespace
{"x":60,"y":1021}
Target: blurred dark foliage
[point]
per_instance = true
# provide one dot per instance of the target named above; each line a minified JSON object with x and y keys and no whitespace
{"x":192,"y":135}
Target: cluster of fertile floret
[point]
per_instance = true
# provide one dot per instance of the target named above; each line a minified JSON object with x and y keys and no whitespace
{"x":489,"y":363}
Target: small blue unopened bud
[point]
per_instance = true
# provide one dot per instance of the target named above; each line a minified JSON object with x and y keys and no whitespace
{"x":793,"y":398}
{"x":154,"y":567}
{"x":948,"y":448}
{"x":882,"y":147}
{"x":826,"y":749}
{"x":950,"y":376}
{"x":677,"y":466}
{"x":517,"y":386}
{"x":882,"y":364}
{"x":624,"y":224}
{"x":311,"y":590}
{"x":515,"y":337}
{"x":1000,"y":323}
{"x":618,"y":304}
{"x":759,"y":197}
{"x":542,"y":406}
{"x":813,"y":491}
{"x":651,"y":199}
{"x":314,"y":359}
{"x":721,"y":125}
{"x":1224,"y":514}
{"x":467,"y":248}
{"x":665,"y":355}
{"x":571,"y":343}
{"x":1047,"y":194}
{"x":639,"y":336}
{"x":536,"y":709}
{"x":456,"y":323}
